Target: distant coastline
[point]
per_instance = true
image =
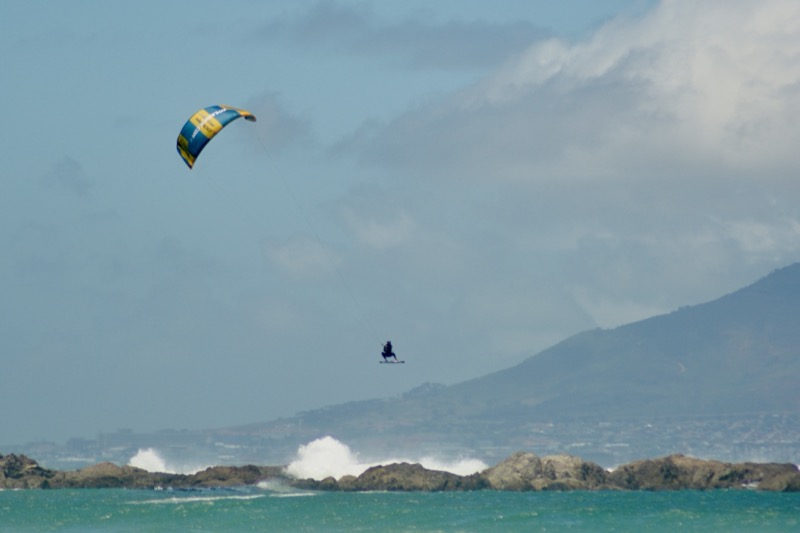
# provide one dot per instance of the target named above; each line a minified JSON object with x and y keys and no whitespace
{"x":523,"y":471}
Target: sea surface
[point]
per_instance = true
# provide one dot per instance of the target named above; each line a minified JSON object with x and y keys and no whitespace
{"x":261,"y":509}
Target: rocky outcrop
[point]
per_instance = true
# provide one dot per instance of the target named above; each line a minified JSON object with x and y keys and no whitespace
{"x":232,"y":476}
{"x":677,"y":472}
{"x":111,"y":476}
{"x":525,"y":471}
{"x":399,"y":477}
{"x":20,"y":472}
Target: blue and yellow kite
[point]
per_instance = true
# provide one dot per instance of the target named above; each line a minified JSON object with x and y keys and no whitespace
{"x":203,"y":125}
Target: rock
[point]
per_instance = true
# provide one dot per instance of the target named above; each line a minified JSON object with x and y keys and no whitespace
{"x":677,"y":472}
{"x":347,"y":483}
{"x":108,"y":476}
{"x":231,"y":476}
{"x":522,"y":471}
{"x":414,"y":477}
{"x":397,"y":477}
{"x":782,"y":477}
{"x":21,"y":472}
{"x":526,"y":471}
{"x":781,"y":483}
{"x":329,"y":484}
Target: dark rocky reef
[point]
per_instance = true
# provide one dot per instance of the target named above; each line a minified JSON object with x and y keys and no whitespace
{"x":677,"y":472}
{"x":398,"y":477}
{"x":21,"y":472}
{"x":526,"y":471}
{"x":523,"y":471}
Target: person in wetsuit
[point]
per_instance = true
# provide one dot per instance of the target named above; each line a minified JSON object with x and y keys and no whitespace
{"x":387,"y":351}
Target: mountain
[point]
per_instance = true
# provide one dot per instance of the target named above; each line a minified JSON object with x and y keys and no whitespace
{"x":730,"y":363}
{"x":739,"y":354}
{"x":718,"y":380}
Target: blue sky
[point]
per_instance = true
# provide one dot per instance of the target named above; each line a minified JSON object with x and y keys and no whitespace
{"x":473,"y":181}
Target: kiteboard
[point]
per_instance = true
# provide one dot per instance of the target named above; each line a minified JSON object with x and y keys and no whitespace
{"x":391,"y":362}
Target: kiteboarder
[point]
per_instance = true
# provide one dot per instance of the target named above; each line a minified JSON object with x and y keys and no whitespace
{"x":387,"y":351}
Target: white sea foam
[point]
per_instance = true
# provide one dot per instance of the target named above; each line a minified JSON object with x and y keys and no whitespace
{"x":278,"y":489}
{"x":327,"y":456}
{"x":318,"y":459}
{"x":463,"y":466}
{"x":323,"y":458}
{"x":151,"y":460}
{"x":196,"y":499}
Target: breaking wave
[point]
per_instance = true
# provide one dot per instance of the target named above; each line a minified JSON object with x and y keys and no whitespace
{"x":321,"y":458}
{"x":210,"y":500}
{"x":151,"y":460}
{"x":328,"y":457}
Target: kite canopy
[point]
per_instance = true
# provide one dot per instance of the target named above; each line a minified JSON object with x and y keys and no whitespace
{"x":203,"y":126}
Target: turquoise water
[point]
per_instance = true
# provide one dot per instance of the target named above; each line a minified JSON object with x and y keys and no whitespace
{"x":254,"y":509}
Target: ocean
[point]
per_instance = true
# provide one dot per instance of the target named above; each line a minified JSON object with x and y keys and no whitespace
{"x":271,"y":508}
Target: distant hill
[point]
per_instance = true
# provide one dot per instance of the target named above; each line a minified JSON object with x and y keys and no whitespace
{"x":739,"y":354}
{"x":719,"y":380}
{"x":732,"y":358}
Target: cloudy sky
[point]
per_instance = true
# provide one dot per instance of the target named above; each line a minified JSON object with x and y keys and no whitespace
{"x":475,"y":181}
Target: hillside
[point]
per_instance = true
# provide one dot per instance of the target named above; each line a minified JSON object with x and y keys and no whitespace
{"x":732,"y":359}
{"x":717,"y":380}
{"x":739,"y":354}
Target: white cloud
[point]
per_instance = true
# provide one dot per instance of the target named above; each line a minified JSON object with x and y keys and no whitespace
{"x":688,"y":87}
{"x":648,"y":166}
{"x":765,"y":239}
{"x":608,"y":312}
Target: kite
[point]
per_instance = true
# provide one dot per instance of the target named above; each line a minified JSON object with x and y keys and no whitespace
{"x":203,"y":126}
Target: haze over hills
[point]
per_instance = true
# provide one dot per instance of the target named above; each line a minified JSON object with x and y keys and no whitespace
{"x":716,"y":380}
{"x":723,"y":363}
{"x":739,"y":354}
